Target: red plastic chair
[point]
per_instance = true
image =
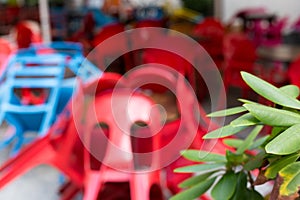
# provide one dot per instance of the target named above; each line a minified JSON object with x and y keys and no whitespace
{"x":210,"y":34}
{"x":175,"y":134}
{"x":6,"y":50}
{"x":120,"y":110}
{"x":27,"y":32}
{"x":296,"y":25}
{"x":163,"y":57}
{"x":150,"y":23}
{"x":104,"y":56}
{"x":294,"y":72}
{"x":139,"y":38}
{"x":273,"y":34}
{"x":239,"y":55}
{"x":59,"y":148}
{"x":241,"y":15}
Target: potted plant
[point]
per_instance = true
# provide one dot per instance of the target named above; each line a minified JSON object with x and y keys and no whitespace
{"x":272,"y":158}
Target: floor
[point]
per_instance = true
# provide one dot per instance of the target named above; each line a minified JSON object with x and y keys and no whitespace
{"x":42,"y":182}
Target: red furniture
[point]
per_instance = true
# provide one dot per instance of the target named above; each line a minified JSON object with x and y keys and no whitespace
{"x":142,"y":34}
{"x":27,"y":32}
{"x":184,"y":132}
{"x":59,"y":148}
{"x":294,"y":72}
{"x":210,"y":33}
{"x":273,"y":34}
{"x":106,"y":54}
{"x":6,"y":50}
{"x":239,"y":55}
{"x":119,"y":110}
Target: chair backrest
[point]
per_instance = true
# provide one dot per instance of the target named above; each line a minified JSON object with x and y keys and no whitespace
{"x":122,"y":111}
{"x":6,"y":50}
{"x":107,"y":81}
{"x":237,"y":46}
{"x":39,"y":78}
{"x":210,"y":33}
{"x":27,"y":32}
{"x":107,"y":31}
{"x":66,"y":48}
{"x":210,"y":28}
{"x":76,"y":63}
{"x":273,"y":34}
{"x":168,"y":58}
{"x":104,"y":53}
{"x":180,"y":133}
{"x":241,"y":13}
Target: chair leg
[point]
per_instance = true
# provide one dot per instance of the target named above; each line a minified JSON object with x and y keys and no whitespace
{"x":19,"y":143}
{"x":11,"y":132}
{"x":140,"y":185}
{"x":33,"y":155}
{"x":92,"y":186}
{"x":69,"y":191}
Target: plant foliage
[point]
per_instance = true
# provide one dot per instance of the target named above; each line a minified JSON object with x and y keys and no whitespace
{"x":272,"y":157}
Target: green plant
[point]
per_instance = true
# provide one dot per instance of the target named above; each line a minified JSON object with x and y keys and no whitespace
{"x":274,"y":156}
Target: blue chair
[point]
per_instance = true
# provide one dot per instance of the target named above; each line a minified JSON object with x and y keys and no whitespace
{"x":68,"y":48}
{"x":77,"y":63}
{"x":25,"y":117}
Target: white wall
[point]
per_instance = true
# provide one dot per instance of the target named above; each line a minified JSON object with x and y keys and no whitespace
{"x":290,"y":8}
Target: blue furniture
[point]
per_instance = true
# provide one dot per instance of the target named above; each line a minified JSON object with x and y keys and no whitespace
{"x":33,"y":68}
{"x":31,"y":118}
{"x":77,"y":63}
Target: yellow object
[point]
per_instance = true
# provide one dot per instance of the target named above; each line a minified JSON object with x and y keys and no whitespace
{"x":187,"y":14}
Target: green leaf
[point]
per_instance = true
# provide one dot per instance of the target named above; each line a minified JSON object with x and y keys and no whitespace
{"x":195,"y":180}
{"x":245,"y":120}
{"x":291,"y":179}
{"x":199,"y":167}
{"x":194,"y":191}
{"x":273,"y":116}
{"x":234,"y":158}
{"x":276,"y":166}
{"x":241,"y":187}
{"x":269,"y":91}
{"x":286,"y":143}
{"x":224,"y":132}
{"x":247,"y":101}
{"x":254,"y":195}
{"x":276,"y":131}
{"x":249,"y":139}
{"x":228,"y":112}
{"x":259,"y":142}
{"x":203,"y":156}
{"x":255,"y":161}
{"x":225,"y":188}
{"x":291,"y":90}
{"x":233,"y":142}
{"x":236,"y":143}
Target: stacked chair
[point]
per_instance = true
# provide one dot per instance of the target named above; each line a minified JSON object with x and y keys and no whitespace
{"x":59,"y":147}
{"x":19,"y":112}
{"x":239,"y":55}
{"x":104,"y":53}
{"x":112,"y":132}
{"x":104,"y":128}
{"x":210,"y":34}
{"x":38,"y":87}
